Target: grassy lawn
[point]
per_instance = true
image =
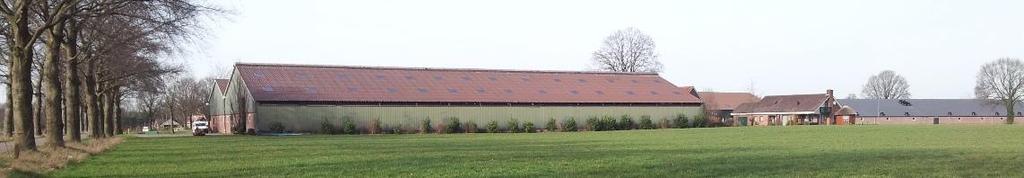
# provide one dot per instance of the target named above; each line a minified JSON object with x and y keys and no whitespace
{"x":900,"y":151}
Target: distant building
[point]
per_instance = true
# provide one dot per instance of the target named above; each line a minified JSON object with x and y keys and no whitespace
{"x":789,"y":109}
{"x":929,"y":111}
{"x":721,"y":105}
{"x":301,"y":97}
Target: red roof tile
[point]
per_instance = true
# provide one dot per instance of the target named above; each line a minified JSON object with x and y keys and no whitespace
{"x":222,"y":84}
{"x":784,"y":103}
{"x":281,"y":82}
{"x":725,"y":101}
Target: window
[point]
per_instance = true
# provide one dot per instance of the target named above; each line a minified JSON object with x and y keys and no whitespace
{"x":392,"y":90}
{"x":452,"y":90}
{"x":997,"y":113}
{"x":949,"y":113}
{"x":974,"y":113}
{"x":906,"y":113}
{"x":268,"y":88}
{"x":422,"y":90}
{"x":881,"y":113}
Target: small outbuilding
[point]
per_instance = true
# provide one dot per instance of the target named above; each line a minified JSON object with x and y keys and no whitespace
{"x":806,"y":109}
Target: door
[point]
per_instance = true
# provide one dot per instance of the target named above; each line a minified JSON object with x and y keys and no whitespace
{"x":935,"y":120}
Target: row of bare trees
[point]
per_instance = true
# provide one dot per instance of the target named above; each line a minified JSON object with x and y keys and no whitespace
{"x":88,"y":56}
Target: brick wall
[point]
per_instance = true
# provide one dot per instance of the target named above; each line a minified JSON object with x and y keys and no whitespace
{"x":930,"y":120}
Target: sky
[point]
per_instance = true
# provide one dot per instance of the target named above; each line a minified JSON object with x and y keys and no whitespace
{"x":775,"y":47}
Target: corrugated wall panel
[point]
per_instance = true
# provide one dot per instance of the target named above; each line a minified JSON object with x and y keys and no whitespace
{"x":308,"y":118}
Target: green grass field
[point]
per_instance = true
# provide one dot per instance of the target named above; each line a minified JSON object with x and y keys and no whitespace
{"x":872,"y":151}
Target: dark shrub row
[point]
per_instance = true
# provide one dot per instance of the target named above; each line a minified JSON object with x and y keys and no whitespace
{"x":454,"y":125}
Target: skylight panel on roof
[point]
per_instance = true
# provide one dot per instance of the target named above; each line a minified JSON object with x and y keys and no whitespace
{"x":492,"y":78}
{"x":268,"y":88}
{"x":654,"y":93}
{"x":574,"y":92}
{"x":677,"y":93}
{"x":466,"y":78}
{"x":422,"y":90}
{"x":302,"y":76}
{"x":340,"y":77}
{"x":452,"y":90}
{"x":392,"y":90}
{"x":311,"y":90}
{"x":558,"y":80}
{"x":381,"y":77}
{"x":581,"y":81}
{"x":599,"y":92}
{"x":258,"y":73}
{"x":438,"y":78}
{"x":409,"y":77}
{"x":630,"y":93}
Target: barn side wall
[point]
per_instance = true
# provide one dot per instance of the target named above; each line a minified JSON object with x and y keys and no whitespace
{"x":308,"y":118}
{"x":884,"y":120}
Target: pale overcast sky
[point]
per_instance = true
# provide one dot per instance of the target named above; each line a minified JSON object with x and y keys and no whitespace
{"x":782,"y":47}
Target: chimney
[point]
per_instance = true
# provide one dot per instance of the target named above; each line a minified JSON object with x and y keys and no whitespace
{"x":829,"y":92}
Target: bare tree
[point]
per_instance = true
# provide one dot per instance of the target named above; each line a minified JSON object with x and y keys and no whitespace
{"x":851,"y":96}
{"x":628,"y":50}
{"x":1002,"y":81}
{"x":886,"y":85}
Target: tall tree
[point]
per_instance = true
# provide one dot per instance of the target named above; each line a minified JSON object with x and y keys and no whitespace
{"x":627,"y":50}
{"x":886,"y":85}
{"x":1002,"y":81}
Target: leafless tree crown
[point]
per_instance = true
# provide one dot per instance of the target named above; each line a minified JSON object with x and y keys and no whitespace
{"x":886,"y":85}
{"x":628,"y":50}
{"x":1002,"y":81}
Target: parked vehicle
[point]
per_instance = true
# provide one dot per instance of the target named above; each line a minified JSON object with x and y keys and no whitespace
{"x":200,"y":128}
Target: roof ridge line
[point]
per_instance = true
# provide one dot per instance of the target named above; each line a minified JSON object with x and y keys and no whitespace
{"x":441,"y":69}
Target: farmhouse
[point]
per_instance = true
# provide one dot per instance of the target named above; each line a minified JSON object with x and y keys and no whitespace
{"x":789,"y":109}
{"x":720,"y":105}
{"x":928,"y":111}
{"x":301,"y":97}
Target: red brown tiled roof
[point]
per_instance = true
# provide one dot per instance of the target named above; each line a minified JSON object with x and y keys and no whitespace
{"x":784,"y":103}
{"x":725,"y":100}
{"x":281,"y":82}
{"x":222,"y":84}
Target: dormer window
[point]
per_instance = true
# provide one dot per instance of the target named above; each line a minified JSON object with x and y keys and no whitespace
{"x":974,"y":114}
{"x":949,"y":113}
{"x":906,"y":113}
{"x":881,"y":113}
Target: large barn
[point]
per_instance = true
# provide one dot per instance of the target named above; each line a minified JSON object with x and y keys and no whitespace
{"x":929,"y":111}
{"x":301,"y":97}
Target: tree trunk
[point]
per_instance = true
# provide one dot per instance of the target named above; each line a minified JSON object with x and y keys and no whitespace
{"x":108,"y":120}
{"x":20,"y":75}
{"x":1010,"y":113}
{"x":50,"y":81}
{"x":38,"y":106}
{"x":72,"y":102}
{"x":92,"y":111}
{"x":8,"y":113}
{"x":117,"y":112}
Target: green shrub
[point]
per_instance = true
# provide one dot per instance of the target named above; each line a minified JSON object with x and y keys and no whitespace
{"x":425,"y":126}
{"x":374,"y":127}
{"x":528,"y":127}
{"x":327,"y":128}
{"x":277,"y":127}
{"x":470,"y":127}
{"x":625,"y":123}
{"x":453,"y":125}
{"x":348,"y":126}
{"x":700,"y":121}
{"x":680,"y":121}
{"x":552,"y":125}
{"x":569,"y":125}
{"x":646,"y":123}
{"x":606,"y":123}
{"x":492,"y":127}
{"x":513,"y":125}
{"x":397,"y":129}
{"x":593,"y":124}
